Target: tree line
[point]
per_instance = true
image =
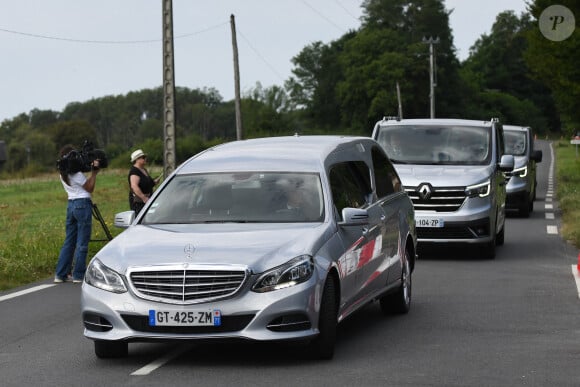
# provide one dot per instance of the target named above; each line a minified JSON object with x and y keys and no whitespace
{"x":345,"y":86}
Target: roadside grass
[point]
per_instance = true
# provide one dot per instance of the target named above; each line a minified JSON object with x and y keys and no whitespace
{"x":32,"y":223}
{"x":568,"y":189}
{"x":32,"y":216}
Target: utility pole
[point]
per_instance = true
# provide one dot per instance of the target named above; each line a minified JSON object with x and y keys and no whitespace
{"x":399,"y":101}
{"x":432,"y":70}
{"x":238,"y":101}
{"x":168,"y":90}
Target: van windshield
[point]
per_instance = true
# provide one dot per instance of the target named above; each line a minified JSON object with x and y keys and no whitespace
{"x":515,"y":142}
{"x":430,"y":144}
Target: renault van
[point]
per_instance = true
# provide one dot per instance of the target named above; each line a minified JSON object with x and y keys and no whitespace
{"x":521,"y":182}
{"x":453,"y":170}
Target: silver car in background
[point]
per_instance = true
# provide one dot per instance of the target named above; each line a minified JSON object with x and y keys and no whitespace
{"x":266,"y":239}
{"x":453,"y":170}
{"x":522,"y":182}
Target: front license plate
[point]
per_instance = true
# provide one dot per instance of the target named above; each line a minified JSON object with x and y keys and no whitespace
{"x":429,"y":222}
{"x":182,"y":318}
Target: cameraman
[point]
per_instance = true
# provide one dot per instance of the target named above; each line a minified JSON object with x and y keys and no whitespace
{"x":78,"y":220}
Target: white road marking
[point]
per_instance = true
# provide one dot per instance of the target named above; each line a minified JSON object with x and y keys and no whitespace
{"x":550,"y":215}
{"x":549,"y":200}
{"x":576,"y":278}
{"x":549,"y":206}
{"x":552,"y":229}
{"x":146,"y":370}
{"x":23,"y":292}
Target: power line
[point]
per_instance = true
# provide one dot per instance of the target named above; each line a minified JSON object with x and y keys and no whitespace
{"x":260,"y":55}
{"x":346,"y":10}
{"x":73,"y":40}
{"x":128,"y":42}
{"x":323,"y":16}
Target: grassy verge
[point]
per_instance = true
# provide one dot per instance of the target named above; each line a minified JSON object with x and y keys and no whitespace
{"x":32,"y":219}
{"x":568,"y":189}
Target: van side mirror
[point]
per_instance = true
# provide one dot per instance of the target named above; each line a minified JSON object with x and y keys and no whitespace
{"x":506,"y":163}
{"x":536,"y":155}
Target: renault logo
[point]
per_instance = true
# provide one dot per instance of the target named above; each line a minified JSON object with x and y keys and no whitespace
{"x":424,"y":191}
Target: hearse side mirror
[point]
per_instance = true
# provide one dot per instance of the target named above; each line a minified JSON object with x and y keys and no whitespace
{"x":536,"y":155}
{"x":354,"y":217}
{"x":124,"y":219}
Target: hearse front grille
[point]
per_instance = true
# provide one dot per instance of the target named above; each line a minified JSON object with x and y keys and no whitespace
{"x":186,"y":286}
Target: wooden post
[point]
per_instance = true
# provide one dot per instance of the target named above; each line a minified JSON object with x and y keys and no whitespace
{"x":238,"y":101}
{"x":168,"y":90}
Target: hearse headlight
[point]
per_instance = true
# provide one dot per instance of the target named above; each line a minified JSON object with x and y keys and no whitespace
{"x":481,"y":190}
{"x":103,"y":277}
{"x":291,"y":273}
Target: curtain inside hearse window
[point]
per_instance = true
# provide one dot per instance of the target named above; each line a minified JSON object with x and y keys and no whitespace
{"x":350,"y":185}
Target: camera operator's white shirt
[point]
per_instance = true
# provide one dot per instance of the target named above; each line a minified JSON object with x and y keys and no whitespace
{"x":75,"y":190}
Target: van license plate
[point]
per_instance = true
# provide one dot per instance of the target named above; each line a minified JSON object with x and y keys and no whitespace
{"x":429,"y":222}
{"x":197,"y":318}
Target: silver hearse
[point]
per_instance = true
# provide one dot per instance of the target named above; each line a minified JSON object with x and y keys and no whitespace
{"x":264,"y":239}
{"x":522,"y":181}
{"x":453,"y":170}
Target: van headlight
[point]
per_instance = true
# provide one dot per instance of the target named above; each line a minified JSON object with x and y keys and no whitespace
{"x":481,"y":190}
{"x":103,"y":277}
{"x":521,"y":172}
{"x":291,"y":273}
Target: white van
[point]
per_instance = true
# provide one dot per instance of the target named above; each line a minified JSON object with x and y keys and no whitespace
{"x":453,"y":170}
{"x":522,"y":182}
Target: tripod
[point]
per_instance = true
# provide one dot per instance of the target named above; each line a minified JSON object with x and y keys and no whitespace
{"x":97,"y":215}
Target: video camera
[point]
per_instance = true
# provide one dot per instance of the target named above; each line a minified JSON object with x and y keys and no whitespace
{"x":81,"y":161}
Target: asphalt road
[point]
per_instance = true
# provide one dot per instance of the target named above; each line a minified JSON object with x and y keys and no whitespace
{"x":510,"y":321}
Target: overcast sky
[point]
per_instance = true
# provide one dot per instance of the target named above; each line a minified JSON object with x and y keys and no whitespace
{"x":61,"y":51}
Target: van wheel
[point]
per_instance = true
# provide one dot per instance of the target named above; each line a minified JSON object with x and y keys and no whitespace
{"x":525,"y":208}
{"x":500,"y":237}
{"x":489,"y":250}
{"x":106,"y":349}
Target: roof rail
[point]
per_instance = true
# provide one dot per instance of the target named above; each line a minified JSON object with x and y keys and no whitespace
{"x":391,"y":118}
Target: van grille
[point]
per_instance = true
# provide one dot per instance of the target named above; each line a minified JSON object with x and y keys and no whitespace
{"x":186,"y":286}
{"x":440,"y":199}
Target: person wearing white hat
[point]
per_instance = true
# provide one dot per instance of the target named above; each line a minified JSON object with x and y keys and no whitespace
{"x":141,"y":184}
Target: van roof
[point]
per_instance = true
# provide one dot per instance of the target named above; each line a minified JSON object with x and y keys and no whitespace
{"x":515,"y":128}
{"x":435,"y":121}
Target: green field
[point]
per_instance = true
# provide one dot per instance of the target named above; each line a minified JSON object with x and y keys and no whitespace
{"x":32,"y":216}
{"x":568,"y":189}
{"x":32,"y":219}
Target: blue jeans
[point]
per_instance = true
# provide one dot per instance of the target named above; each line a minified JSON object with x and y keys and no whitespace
{"x":76,"y":242}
